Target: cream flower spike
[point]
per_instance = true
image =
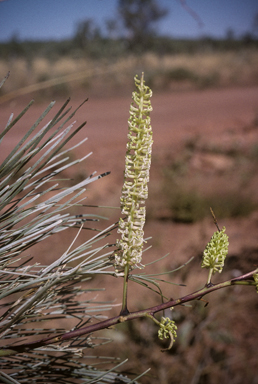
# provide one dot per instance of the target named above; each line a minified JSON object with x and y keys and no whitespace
{"x":136,"y":177}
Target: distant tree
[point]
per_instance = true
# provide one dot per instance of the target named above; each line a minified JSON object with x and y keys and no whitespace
{"x":140,"y":19}
{"x":230,"y":34}
{"x":112,"y":28}
{"x":248,"y":38}
{"x":15,"y":46}
{"x":255,"y":24}
{"x":86,"y":32}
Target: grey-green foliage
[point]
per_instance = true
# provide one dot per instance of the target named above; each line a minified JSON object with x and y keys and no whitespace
{"x":32,"y":295}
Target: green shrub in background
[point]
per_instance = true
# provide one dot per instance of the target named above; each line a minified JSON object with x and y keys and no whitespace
{"x":33,"y":295}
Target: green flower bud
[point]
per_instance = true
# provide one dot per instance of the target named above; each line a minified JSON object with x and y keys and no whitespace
{"x":216,"y":252}
{"x":167,"y":328}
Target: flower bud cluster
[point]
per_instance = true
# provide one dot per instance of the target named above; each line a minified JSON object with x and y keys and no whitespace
{"x":216,"y":251}
{"x":136,"y":177}
{"x":255,"y":276}
{"x":167,"y":328}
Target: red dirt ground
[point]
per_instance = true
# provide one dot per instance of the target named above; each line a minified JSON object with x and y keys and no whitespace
{"x":176,"y":117}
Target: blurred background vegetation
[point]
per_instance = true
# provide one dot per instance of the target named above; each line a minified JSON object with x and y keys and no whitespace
{"x":127,"y":43}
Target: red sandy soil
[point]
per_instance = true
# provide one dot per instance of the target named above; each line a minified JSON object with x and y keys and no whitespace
{"x":176,"y":117}
{"x":217,"y":116}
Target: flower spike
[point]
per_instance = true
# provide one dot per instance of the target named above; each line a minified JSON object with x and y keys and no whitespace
{"x":136,"y":177}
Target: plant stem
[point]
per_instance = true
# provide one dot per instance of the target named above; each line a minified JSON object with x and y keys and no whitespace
{"x":124,"y":310}
{"x":209,"y":277}
{"x":246,"y":279}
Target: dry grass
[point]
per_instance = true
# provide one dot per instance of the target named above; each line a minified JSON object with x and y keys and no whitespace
{"x":182,"y":71}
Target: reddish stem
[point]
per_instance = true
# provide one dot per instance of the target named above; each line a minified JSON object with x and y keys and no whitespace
{"x":248,"y":278}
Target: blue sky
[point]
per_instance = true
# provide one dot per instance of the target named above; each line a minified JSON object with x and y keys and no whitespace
{"x":57,"y":19}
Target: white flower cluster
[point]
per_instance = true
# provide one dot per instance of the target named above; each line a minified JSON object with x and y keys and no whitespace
{"x":216,"y":251}
{"x":136,"y":177}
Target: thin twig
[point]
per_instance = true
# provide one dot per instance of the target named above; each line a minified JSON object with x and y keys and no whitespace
{"x":246,"y":279}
